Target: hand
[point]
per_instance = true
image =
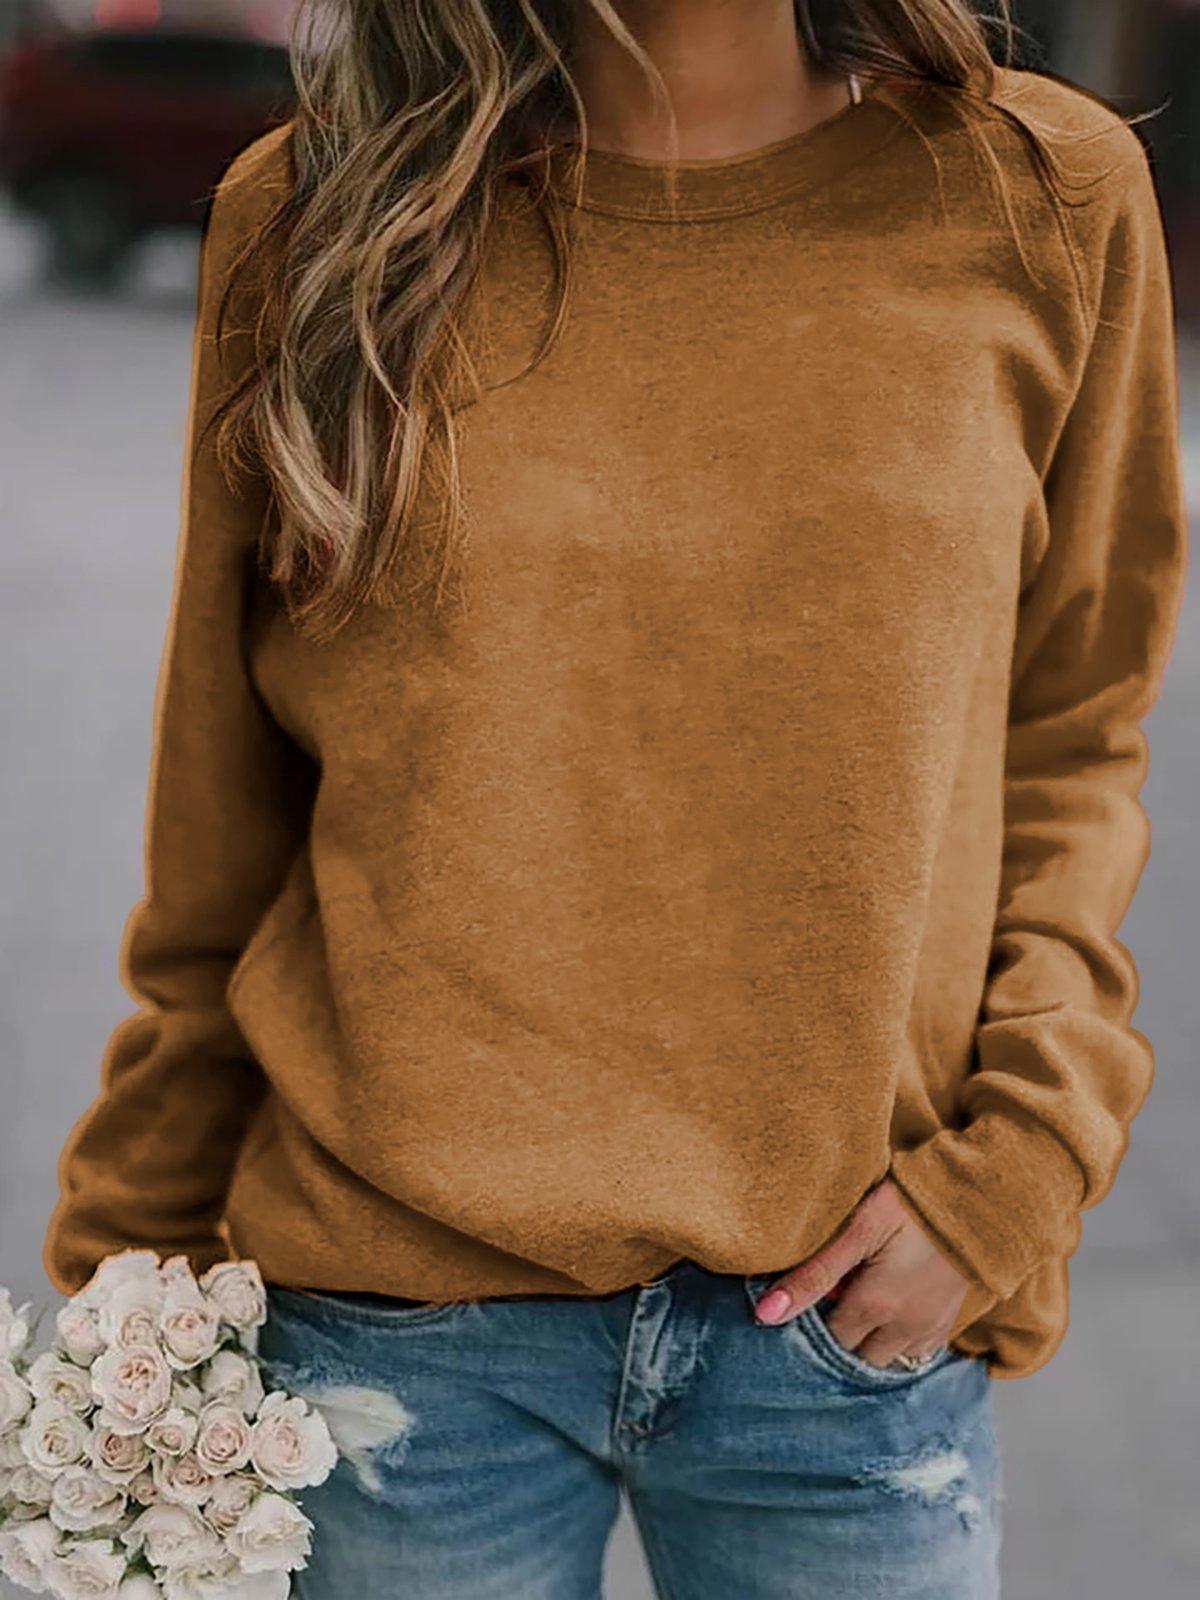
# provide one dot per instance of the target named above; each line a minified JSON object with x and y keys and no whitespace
{"x":903,"y":1298}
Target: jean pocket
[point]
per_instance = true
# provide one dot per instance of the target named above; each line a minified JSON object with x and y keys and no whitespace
{"x":316,"y":1305}
{"x":811,"y":1330}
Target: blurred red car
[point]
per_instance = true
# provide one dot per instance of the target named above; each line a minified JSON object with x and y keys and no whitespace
{"x":107,"y":135}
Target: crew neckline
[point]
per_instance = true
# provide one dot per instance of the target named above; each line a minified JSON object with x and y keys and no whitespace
{"x":636,"y":186}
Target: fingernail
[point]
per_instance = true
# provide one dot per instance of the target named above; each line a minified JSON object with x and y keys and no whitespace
{"x":773,"y":1306}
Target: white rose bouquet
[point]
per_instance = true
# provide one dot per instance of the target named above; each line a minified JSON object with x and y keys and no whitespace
{"x":141,"y":1455}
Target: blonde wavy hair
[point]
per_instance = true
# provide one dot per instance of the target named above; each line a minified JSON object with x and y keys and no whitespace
{"x":406,"y":118}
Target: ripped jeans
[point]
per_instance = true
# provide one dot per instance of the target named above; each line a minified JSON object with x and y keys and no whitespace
{"x":485,"y":1447}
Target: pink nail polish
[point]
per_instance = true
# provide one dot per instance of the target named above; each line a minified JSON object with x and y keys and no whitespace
{"x":773,"y":1306}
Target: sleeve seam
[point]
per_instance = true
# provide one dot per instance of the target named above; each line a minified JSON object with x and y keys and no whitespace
{"x":1098,"y":280}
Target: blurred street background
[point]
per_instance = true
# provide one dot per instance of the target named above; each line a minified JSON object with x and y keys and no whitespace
{"x":114,"y":120}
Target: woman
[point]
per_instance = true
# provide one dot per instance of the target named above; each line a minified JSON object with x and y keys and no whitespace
{"x":646,"y":781}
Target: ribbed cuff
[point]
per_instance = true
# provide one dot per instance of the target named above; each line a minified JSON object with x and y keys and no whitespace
{"x":999,"y":1197}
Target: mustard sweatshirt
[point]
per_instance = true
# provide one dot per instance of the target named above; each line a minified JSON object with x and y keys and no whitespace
{"x":760,"y":825}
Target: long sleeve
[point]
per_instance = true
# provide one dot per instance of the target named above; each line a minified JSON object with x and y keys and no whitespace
{"x":148,"y":1165}
{"x":1059,"y":1072}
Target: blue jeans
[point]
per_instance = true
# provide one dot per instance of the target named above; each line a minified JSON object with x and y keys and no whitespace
{"x":485,"y":1447}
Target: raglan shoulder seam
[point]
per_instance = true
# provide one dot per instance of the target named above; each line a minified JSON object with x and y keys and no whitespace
{"x":1102,"y":165}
